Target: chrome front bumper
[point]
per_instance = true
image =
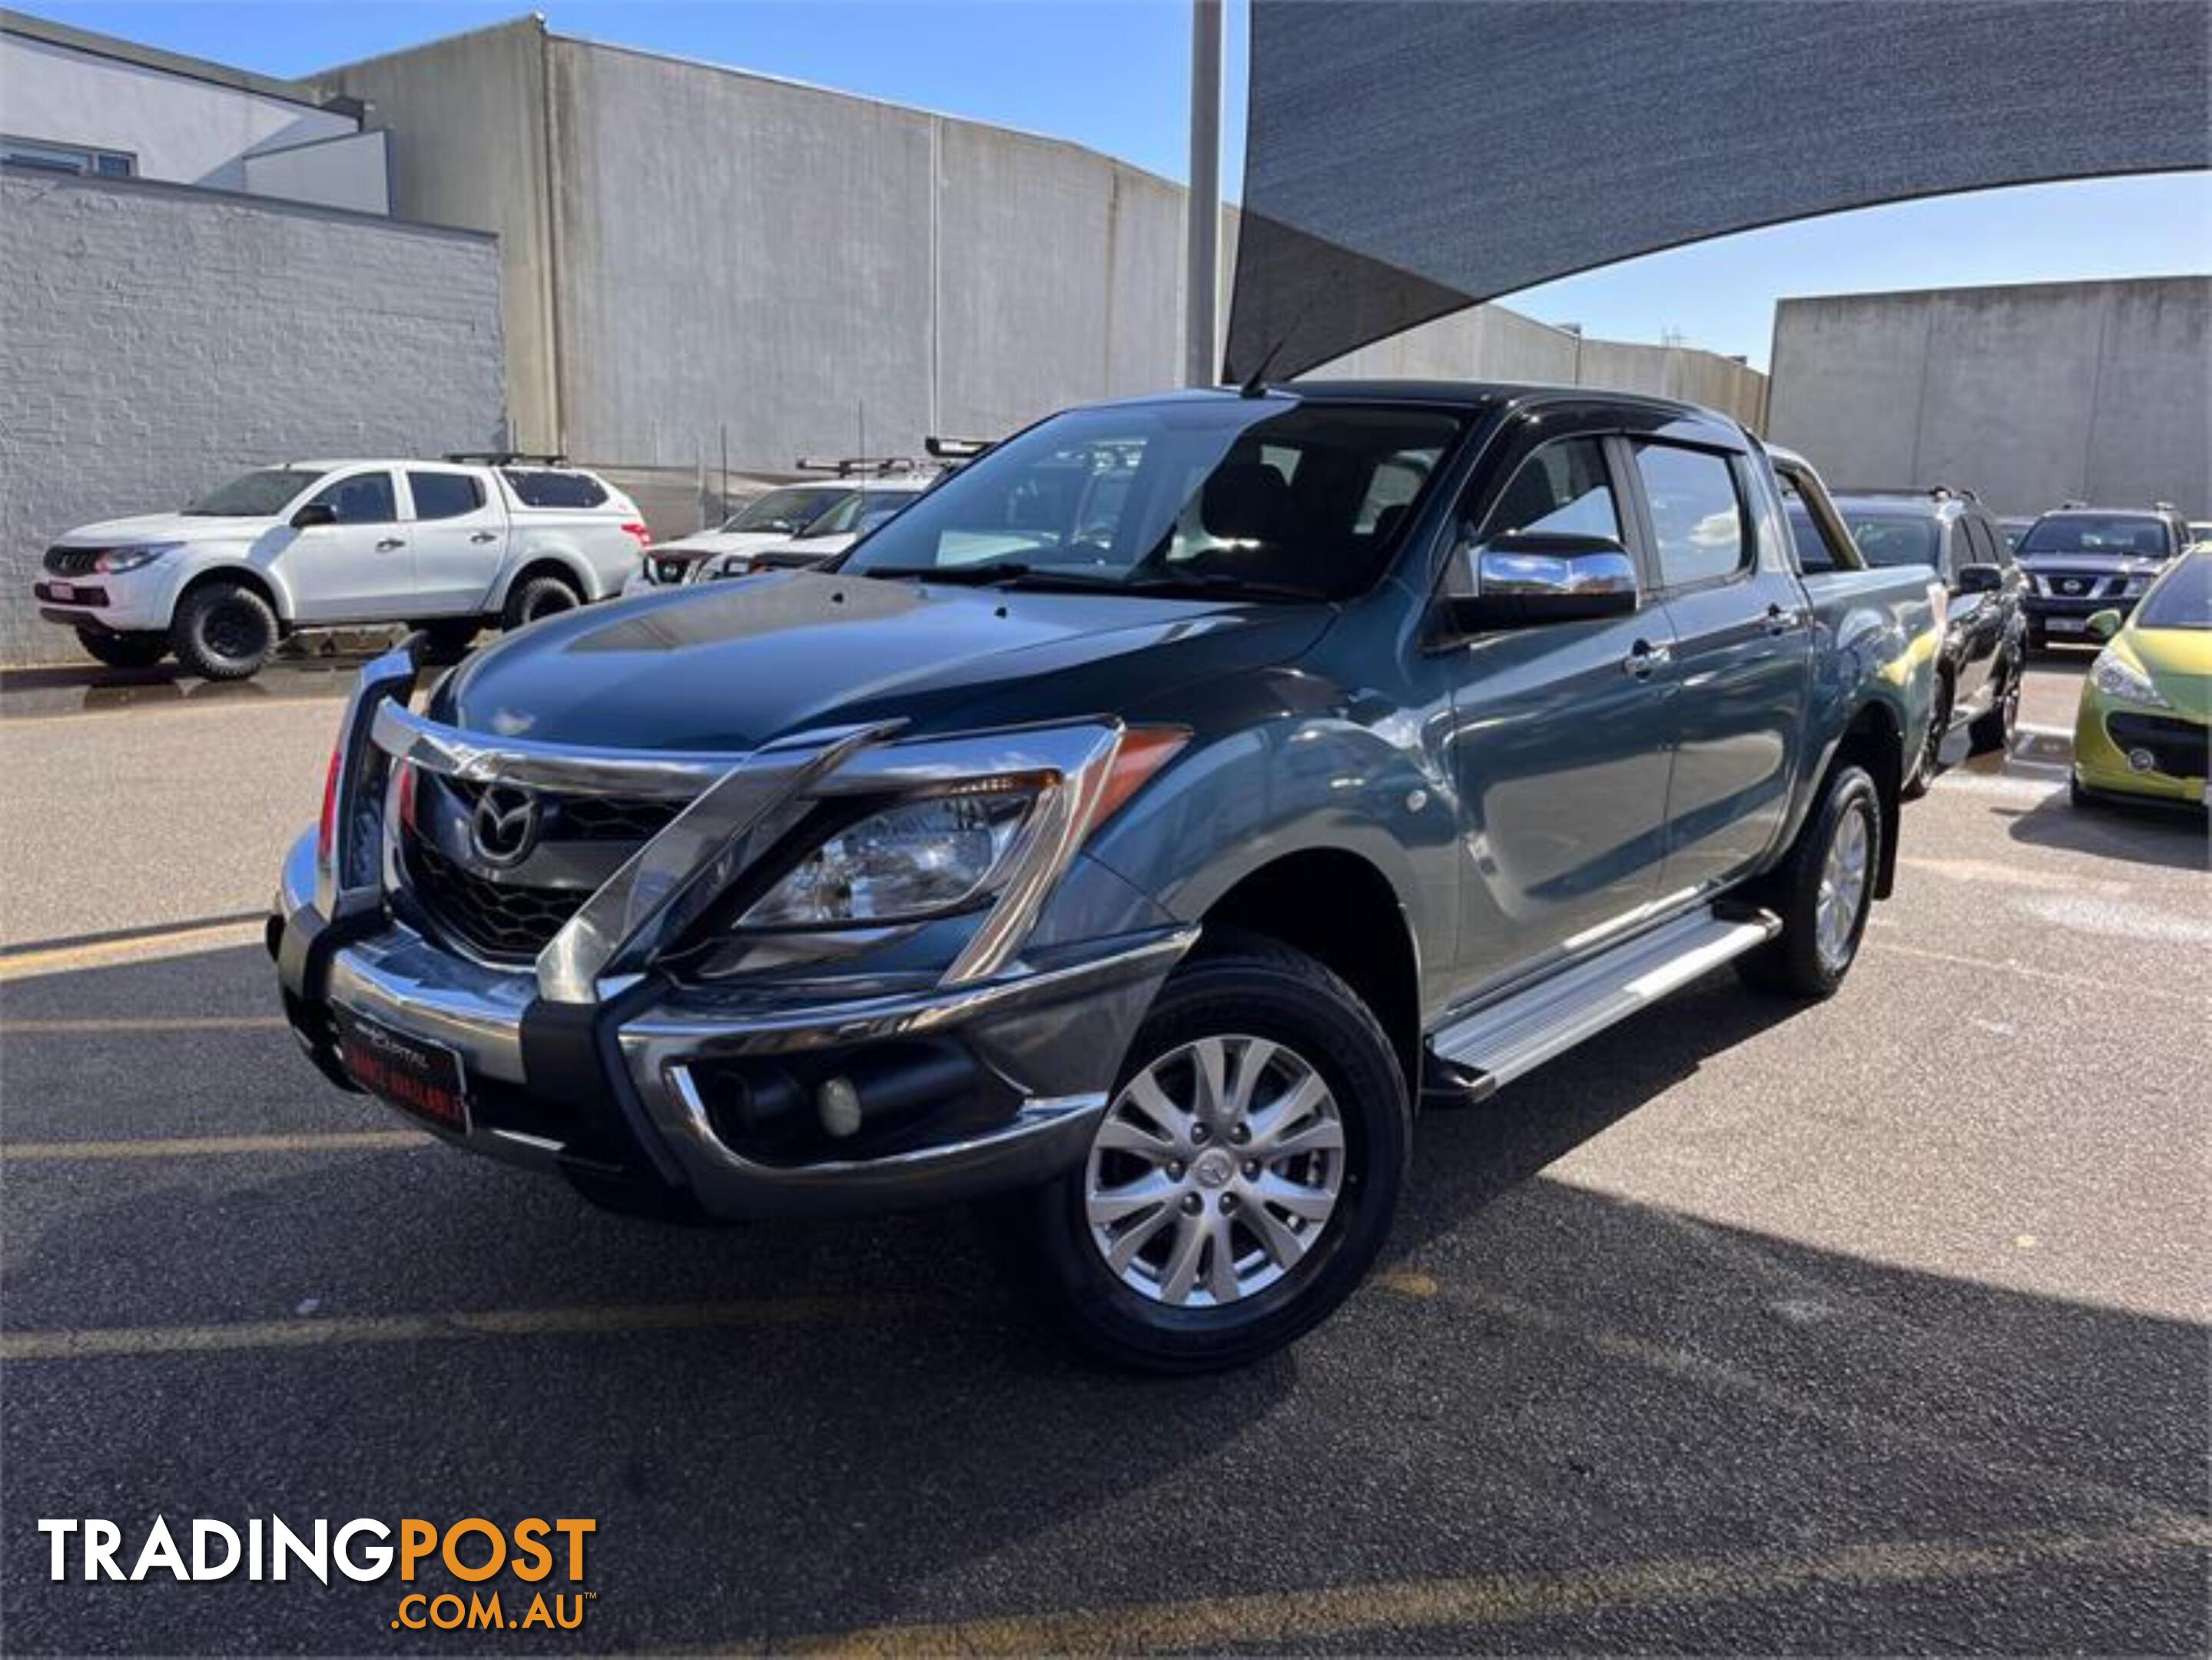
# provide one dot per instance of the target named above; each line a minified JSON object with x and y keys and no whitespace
{"x":1051,"y":1035}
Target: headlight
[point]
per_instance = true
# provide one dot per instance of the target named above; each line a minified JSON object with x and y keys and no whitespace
{"x":904,"y":862}
{"x":2116,"y":677}
{"x":116,"y":561}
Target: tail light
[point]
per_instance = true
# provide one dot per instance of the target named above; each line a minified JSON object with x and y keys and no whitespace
{"x":637,"y":529}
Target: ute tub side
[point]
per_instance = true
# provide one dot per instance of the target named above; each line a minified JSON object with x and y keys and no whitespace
{"x":1879,"y":633}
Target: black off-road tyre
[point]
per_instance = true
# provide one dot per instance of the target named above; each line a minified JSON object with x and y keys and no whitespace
{"x":124,"y":651}
{"x":1246,"y":987}
{"x":536,"y":597}
{"x":1992,"y":730}
{"x":1794,"y":962}
{"x":223,"y":631}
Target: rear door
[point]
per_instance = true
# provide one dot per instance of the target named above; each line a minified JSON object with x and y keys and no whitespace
{"x":359,"y":570}
{"x":1742,"y":652}
{"x":1977,"y":620}
{"x":1561,"y":733}
{"x":459,"y":529}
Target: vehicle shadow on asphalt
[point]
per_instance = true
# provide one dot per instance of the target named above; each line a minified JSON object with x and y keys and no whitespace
{"x":1574,"y":1381}
{"x":2174,"y":837}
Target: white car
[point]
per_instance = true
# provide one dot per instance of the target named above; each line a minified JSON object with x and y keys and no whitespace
{"x":867,"y":506}
{"x":762,"y":522}
{"x":451,"y":545}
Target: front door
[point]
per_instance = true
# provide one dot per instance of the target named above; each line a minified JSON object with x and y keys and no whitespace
{"x":356,"y":569}
{"x":1561,"y":738}
{"x":1743,"y":655}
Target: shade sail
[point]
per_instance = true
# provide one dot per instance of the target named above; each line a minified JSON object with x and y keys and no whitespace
{"x":1406,"y":158}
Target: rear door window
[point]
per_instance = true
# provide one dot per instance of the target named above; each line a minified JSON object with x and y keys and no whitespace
{"x":445,"y":494}
{"x":1697,"y":517}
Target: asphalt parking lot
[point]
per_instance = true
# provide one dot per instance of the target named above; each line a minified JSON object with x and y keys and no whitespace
{"x":1876,"y":1326}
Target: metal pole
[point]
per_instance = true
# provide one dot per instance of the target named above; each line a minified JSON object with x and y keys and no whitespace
{"x":1202,"y":232}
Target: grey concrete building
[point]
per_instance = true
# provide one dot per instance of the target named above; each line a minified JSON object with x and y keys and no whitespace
{"x":695,"y":256}
{"x":74,"y":101}
{"x":2029,"y":395}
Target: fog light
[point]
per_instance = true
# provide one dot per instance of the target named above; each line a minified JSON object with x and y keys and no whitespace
{"x":2142,"y":760}
{"x":839,"y":1105}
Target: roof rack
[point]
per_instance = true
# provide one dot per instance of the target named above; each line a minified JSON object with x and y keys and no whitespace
{"x":2164,"y":507}
{"x":956,"y":449}
{"x":505,"y":458}
{"x":1934,"y":492}
{"x":861,"y":466}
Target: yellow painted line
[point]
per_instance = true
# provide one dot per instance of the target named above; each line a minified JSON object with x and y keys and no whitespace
{"x":347,"y":1331}
{"x":1330,"y":1615}
{"x":144,"y":948}
{"x":201,"y":1146}
{"x":2133,"y":990}
{"x":90,"y":1026}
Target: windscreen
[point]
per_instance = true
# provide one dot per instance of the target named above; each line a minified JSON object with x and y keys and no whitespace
{"x":2136,"y":534}
{"x":1268,"y":496}
{"x":786,"y":511}
{"x":256,"y":496}
{"x":1895,"y":538}
{"x":2182,"y":599}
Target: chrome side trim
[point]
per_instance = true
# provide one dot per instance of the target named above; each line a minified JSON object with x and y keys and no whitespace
{"x":674,"y":877}
{"x":667,"y":775}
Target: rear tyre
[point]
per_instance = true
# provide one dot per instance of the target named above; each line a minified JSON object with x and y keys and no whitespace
{"x":1930,"y":762}
{"x":1823,"y":892}
{"x":124,"y":651}
{"x":536,"y":597}
{"x":223,"y":631}
{"x":1993,"y":729}
{"x":1243,"y":1177}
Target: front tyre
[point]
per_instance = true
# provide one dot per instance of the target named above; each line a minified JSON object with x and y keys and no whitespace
{"x":1930,"y":762}
{"x":1824,"y":892}
{"x":1994,"y":730}
{"x":124,"y":651}
{"x":223,"y":631}
{"x":1243,"y":1177}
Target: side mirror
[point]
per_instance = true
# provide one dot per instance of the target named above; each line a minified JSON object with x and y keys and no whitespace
{"x":1981,"y":578}
{"x":314,"y":513}
{"x":1526,"y":578}
{"x":2104,"y":624}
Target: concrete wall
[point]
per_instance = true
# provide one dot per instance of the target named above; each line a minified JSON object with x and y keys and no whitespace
{"x":155,"y":340}
{"x":182,"y":129}
{"x":469,"y":120}
{"x":1491,"y":342}
{"x":2030,"y":395}
{"x":353,"y":171}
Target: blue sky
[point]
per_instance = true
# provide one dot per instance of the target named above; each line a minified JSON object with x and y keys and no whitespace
{"x":1115,"y":74}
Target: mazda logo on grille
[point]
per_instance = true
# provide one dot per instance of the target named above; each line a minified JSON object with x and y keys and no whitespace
{"x":503,"y":829}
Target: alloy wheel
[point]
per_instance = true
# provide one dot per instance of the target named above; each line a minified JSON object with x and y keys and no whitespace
{"x":1215,"y":1171}
{"x":1843,"y":884}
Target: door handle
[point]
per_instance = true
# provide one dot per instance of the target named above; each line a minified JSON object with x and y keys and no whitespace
{"x":384,"y":544}
{"x":1781,"y":621}
{"x":485,"y":536}
{"x":1644,"y":657}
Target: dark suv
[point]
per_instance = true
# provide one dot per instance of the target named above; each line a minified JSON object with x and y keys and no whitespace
{"x":2082,"y":560}
{"x":1986,"y":634}
{"x":1134,"y":829}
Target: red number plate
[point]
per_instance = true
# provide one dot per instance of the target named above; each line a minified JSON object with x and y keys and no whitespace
{"x":421,"y":1077}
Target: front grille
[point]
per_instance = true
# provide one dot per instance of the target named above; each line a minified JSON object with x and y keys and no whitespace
{"x":2177,"y":748}
{"x":73,"y":561}
{"x":2081,"y":585}
{"x":501,"y":920}
{"x":587,"y":817}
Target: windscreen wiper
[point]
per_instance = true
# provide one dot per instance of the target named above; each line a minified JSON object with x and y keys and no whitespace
{"x":980,"y":575}
{"x":1218,"y":582}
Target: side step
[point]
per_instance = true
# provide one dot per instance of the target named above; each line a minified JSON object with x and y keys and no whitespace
{"x":1526,"y":1029}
